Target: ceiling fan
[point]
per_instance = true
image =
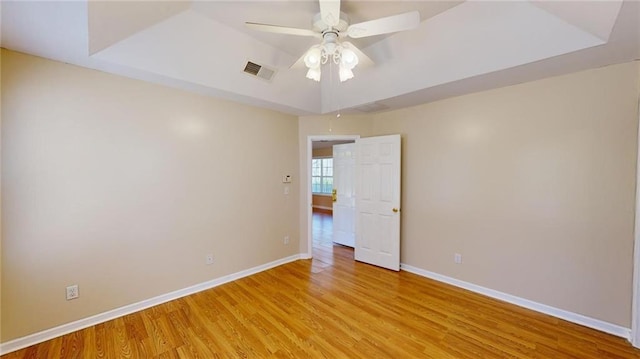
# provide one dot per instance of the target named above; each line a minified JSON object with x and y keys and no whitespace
{"x":331,"y":25}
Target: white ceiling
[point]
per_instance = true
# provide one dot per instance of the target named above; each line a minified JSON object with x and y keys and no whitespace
{"x":203,"y":46}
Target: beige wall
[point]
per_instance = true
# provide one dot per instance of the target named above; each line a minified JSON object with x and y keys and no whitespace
{"x":533,"y":184}
{"x":123,"y":187}
{"x":119,"y":186}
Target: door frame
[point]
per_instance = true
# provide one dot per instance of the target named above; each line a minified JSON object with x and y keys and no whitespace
{"x":635,"y":300}
{"x":309,"y":194}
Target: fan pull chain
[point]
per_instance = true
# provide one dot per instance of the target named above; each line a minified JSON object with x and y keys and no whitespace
{"x":334,"y":90}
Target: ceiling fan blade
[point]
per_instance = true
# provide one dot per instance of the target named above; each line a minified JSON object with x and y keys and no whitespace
{"x":363,"y":59}
{"x":385,"y":25}
{"x":282,"y":29}
{"x":330,"y":12}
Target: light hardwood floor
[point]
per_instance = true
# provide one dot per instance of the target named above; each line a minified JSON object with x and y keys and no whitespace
{"x":334,"y":307}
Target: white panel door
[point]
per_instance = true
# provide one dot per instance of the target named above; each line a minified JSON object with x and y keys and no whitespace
{"x":378,"y":201}
{"x":344,"y":205}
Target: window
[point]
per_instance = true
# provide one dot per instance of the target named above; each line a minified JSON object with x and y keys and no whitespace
{"x":322,"y":175}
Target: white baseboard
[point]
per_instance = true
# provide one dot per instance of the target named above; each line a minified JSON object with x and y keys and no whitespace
{"x":542,"y":308}
{"x":48,"y":334}
{"x":55,"y":332}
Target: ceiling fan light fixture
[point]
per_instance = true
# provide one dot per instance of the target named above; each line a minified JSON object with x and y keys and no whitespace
{"x":345,"y":74}
{"x":330,"y":48}
{"x":348,"y":58}
{"x":340,"y":54}
{"x":313,"y":58}
{"x":314,"y":74}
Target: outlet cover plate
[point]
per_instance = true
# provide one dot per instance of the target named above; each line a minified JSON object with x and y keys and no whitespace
{"x":72,"y":292}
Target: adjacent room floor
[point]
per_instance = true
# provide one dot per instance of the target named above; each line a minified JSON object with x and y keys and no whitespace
{"x":322,"y":232}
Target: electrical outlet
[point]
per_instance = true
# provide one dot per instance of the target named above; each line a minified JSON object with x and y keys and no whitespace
{"x":457,"y":258}
{"x":209,"y":259}
{"x":72,"y":292}
{"x":286,"y":240}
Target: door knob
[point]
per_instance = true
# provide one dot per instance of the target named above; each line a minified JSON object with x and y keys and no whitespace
{"x":395,"y":210}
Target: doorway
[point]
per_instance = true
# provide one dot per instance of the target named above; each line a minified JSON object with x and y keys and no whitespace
{"x":320,"y":223}
{"x":377,"y":169}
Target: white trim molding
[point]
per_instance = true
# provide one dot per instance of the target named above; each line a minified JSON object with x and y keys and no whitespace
{"x":635,"y":300}
{"x":525,"y":303}
{"x":55,"y":332}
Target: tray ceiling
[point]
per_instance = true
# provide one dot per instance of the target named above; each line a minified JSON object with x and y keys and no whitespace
{"x":203,"y":46}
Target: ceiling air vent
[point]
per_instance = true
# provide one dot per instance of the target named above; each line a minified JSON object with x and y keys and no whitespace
{"x":260,"y":71}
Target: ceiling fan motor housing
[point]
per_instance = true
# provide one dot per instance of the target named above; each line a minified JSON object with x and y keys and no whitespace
{"x":320,"y":26}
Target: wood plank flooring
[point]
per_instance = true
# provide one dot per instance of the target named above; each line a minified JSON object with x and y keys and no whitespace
{"x":334,"y":307}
